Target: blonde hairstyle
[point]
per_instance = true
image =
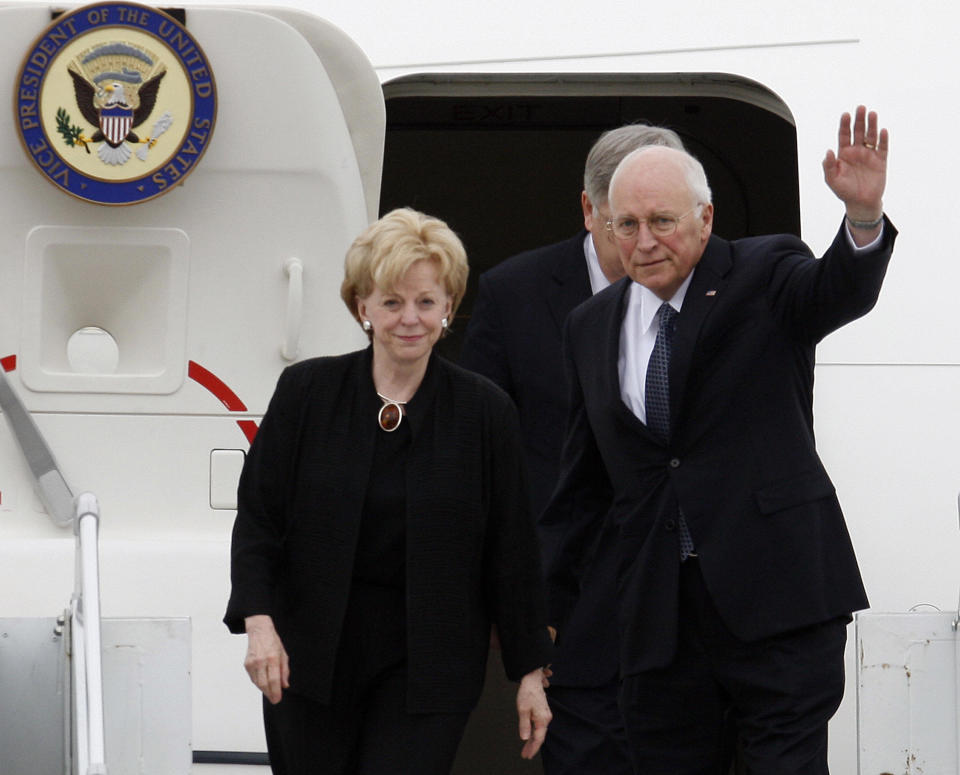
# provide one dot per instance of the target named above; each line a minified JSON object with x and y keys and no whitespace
{"x":386,"y":249}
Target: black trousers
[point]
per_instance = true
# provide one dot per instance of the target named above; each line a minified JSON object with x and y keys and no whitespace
{"x":381,"y":738}
{"x":779,"y":692}
{"x":586,"y":736}
{"x":366,"y":729}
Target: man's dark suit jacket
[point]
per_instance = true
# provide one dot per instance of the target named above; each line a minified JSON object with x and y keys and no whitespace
{"x":471,"y":545}
{"x":773,"y":547}
{"x":515,"y":338}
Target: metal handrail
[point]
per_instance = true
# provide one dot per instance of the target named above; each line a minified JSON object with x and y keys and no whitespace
{"x":87,"y":650}
{"x":85,"y":645}
{"x":51,"y":487}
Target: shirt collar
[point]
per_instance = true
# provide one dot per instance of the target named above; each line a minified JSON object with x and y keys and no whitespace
{"x":646,"y":304}
{"x":598,"y":280}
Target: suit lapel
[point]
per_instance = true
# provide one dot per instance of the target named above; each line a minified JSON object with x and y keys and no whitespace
{"x":705,"y":288}
{"x":569,"y":280}
{"x":612,"y":331}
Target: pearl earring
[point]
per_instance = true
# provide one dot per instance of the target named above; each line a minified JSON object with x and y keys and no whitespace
{"x":367,"y":325}
{"x":444,"y":324}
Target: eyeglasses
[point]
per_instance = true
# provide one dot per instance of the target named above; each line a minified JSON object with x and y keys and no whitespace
{"x":626,"y":227}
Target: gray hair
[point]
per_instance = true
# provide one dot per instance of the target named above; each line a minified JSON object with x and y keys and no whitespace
{"x":611,"y":148}
{"x":693,"y":173}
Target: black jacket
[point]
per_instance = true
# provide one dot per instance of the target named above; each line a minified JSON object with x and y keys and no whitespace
{"x":472,"y":556}
{"x":742,"y":462}
{"x":515,"y":337}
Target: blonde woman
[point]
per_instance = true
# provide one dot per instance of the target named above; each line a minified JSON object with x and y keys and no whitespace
{"x":382,"y":529}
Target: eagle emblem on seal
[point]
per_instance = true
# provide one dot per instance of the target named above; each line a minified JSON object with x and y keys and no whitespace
{"x":116,"y":87}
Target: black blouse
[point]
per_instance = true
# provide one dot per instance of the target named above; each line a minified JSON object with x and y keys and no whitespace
{"x":381,"y":551}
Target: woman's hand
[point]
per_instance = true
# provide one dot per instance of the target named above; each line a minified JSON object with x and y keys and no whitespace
{"x":534,"y":711}
{"x":266,"y":662}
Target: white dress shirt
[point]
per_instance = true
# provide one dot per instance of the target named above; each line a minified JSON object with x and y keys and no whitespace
{"x":638,"y":335}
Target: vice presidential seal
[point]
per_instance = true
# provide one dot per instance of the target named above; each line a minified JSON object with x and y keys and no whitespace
{"x":115,"y":103}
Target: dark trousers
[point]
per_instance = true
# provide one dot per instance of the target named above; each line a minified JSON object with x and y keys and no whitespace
{"x":780,"y":693}
{"x":306,"y":738}
{"x":586,"y":736}
{"x":366,"y":729}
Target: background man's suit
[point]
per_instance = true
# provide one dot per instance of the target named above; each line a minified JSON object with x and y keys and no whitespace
{"x":515,"y":338}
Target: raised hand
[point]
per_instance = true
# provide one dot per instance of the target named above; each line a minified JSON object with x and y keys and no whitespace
{"x":857,"y":173}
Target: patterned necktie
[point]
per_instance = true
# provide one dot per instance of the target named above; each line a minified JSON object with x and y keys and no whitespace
{"x":657,"y":400}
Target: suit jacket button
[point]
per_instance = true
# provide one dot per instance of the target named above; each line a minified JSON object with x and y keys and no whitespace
{"x":675,"y":462}
{"x":669,"y":524}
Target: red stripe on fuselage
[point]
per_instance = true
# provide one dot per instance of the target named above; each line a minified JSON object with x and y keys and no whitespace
{"x":249,"y":428}
{"x":215,"y":385}
{"x":218,"y":387}
{"x":206,"y":378}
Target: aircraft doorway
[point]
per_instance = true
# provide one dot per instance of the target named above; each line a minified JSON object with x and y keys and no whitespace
{"x":500,"y":157}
